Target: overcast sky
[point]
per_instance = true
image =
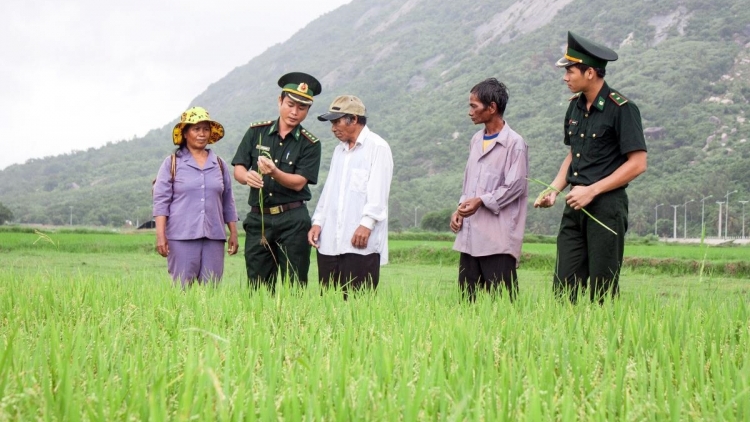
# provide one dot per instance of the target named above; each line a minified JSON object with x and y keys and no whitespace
{"x":76,"y":74}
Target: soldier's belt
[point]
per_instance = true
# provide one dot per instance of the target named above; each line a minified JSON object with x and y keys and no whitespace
{"x":278,"y":209}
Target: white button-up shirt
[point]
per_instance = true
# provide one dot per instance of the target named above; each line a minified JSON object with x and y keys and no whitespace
{"x":356,"y":193}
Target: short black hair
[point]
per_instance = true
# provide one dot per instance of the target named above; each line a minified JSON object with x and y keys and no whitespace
{"x":492,"y":91}
{"x":600,"y":71}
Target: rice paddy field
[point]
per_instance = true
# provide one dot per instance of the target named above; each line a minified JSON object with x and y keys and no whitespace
{"x":91,"y":329}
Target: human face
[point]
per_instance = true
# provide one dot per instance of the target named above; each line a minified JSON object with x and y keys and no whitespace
{"x":291,"y":112}
{"x":343,"y":130}
{"x":197,"y":135}
{"x":576,"y":80}
{"x":478,"y":112}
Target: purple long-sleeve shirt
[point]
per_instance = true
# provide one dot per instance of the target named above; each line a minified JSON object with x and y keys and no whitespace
{"x":498,"y":177}
{"x":200,"y":201}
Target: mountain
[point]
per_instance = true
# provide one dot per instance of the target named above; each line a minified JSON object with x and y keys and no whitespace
{"x":686,"y":63}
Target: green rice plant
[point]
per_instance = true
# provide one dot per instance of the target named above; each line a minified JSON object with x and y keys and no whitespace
{"x":263,"y":240}
{"x":44,"y":237}
{"x":87,"y":346}
{"x":705,"y":254}
{"x":551,"y":188}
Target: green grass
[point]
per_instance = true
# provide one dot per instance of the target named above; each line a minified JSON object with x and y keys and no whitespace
{"x":99,"y":334}
{"x":667,"y":259}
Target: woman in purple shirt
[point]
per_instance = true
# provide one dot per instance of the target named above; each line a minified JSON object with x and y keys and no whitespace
{"x":193,"y":201}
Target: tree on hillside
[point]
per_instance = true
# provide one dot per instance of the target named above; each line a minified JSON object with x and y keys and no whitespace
{"x":696,"y":52}
{"x":437,"y":221}
{"x":5,"y":214}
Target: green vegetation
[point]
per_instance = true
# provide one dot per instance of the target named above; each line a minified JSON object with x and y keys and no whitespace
{"x":685,"y":63}
{"x":437,"y":221}
{"x":408,"y":248}
{"x":98,"y":333}
{"x":6,"y":215}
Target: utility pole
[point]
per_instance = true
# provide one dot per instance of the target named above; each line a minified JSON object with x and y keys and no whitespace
{"x":720,"y":204}
{"x":743,"y":217}
{"x":726,"y":211}
{"x":674,"y":221}
{"x":684,"y":229}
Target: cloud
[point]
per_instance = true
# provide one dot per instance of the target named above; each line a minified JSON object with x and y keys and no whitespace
{"x":80,"y":73}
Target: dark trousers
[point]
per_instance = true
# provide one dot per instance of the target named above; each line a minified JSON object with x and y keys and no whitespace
{"x":589,"y":256}
{"x":349,"y":271}
{"x":493,"y":273}
{"x":287,"y":253}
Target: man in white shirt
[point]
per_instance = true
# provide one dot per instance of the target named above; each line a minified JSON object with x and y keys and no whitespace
{"x":350,"y":223}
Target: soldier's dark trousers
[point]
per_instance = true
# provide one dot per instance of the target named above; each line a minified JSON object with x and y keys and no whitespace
{"x":589,"y":256}
{"x":287,"y":253}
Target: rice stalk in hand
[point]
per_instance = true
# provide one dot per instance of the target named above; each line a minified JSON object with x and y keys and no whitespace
{"x":551,"y":188}
{"x":263,"y":240}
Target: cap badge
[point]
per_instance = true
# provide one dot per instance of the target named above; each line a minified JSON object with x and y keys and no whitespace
{"x":302,"y":87}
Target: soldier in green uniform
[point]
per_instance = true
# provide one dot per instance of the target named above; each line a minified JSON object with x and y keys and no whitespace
{"x":278,"y":159}
{"x":607,"y":151}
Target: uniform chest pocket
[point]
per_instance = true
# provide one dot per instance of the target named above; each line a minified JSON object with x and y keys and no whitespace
{"x":571,"y":131}
{"x":601,"y":140}
{"x":287,"y":161}
{"x":600,"y":131}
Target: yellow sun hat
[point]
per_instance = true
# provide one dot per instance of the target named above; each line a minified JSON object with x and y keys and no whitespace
{"x":196,"y":115}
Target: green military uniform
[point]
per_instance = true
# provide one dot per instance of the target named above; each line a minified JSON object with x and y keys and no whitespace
{"x":285,"y":220}
{"x":599,"y":139}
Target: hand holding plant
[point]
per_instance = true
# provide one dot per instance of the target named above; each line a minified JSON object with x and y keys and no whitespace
{"x":542,"y":201}
{"x":263,"y":240}
{"x":265,"y":164}
{"x":551,"y":188}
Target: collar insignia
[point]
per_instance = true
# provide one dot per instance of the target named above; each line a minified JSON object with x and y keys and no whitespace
{"x":600,"y":103}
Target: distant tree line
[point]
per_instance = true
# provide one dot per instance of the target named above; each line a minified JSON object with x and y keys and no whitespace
{"x":6,"y":215}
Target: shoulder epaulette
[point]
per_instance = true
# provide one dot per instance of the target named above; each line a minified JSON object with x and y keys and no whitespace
{"x":262,"y":123}
{"x":574,"y":97}
{"x":617,"y":98}
{"x":310,"y":137}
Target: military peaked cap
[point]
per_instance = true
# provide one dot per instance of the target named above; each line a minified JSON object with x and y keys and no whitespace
{"x":301,"y":87}
{"x":584,"y":51}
